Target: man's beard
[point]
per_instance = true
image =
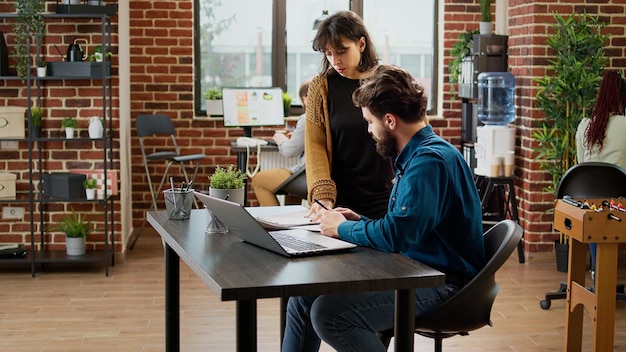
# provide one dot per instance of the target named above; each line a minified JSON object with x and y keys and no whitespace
{"x":386,"y":145}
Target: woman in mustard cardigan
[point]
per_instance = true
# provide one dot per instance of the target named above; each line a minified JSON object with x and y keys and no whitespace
{"x":342,"y":165}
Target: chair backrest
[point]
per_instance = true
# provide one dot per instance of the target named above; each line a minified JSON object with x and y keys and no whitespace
{"x":470,"y":308}
{"x":593,"y":180}
{"x":154,"y":124}
{"x":295,"y":185}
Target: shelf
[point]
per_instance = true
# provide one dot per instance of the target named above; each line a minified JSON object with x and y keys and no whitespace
{"x":51,"y":257}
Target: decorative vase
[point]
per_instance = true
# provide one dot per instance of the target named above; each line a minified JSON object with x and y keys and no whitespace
{"x":214,"y":108}
{"x":69,"y":132}
{"x":95,"y":128}
{"x":485,"y":28}
{"x":90,"y":193}
{"x":75,"y":245}
{"x":232,"y":195}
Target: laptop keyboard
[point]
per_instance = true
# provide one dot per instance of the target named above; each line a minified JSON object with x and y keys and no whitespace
{"x":295,"y":244}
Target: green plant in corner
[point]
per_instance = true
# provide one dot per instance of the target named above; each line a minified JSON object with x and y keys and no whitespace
{"x":90,"y":183}
{"x":569,"y":92}
{"x":73,"y":225}
{"x":213,"y":94}
{"x":230,"y":178}
{"x":69,"y":122}
{"x":462,"y":48}
{"x":28,"y":27}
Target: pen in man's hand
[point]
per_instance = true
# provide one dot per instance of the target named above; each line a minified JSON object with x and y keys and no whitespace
{"x":320,"y":204}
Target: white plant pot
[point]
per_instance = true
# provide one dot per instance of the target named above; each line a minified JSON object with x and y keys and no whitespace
{"x":214,"y":108}
{"x":232,"y":195}
{"x":71,"y":2}
{"x":69,"y":132}
{"x":75,"y":245}
{"x":41,"y":71}
{"x":485,"y":28}
{"x":90,"y":193}
{"x":98,"y":56}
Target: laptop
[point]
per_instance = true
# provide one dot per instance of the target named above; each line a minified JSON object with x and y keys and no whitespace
{"x":290,"y":243}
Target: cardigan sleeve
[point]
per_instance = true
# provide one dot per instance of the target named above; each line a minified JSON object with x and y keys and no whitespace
{"x":318,"y":145}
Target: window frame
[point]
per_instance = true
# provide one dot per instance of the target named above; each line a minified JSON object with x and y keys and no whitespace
{"x":279,"y":53}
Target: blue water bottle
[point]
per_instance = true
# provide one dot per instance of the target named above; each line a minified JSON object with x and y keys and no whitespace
{"x":496,"y":98}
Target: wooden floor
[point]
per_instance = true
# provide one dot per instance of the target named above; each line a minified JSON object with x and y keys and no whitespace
{"x":80,"y":309}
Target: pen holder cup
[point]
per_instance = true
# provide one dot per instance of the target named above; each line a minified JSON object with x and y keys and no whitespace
{"x":178,"y":203}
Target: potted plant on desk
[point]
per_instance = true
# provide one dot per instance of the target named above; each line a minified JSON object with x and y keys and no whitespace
{"x":228,"y":184}
{"x":213,"y":102}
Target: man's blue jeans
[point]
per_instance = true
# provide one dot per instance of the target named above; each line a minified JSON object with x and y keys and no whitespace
{"x":350,"y":322}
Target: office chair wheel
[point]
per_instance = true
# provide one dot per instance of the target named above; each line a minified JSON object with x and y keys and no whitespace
{"x":545,"y":304}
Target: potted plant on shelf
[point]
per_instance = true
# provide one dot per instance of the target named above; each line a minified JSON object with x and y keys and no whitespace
{"x":98,"y":54}
{"x":70,"y":124}
{"x":228,"y":184}
{"x":76,"y":230}
{"x":29,"y":29}
{"x":213,"y":102}
{"x":485,"y":17}
{"x":286,"y":103}
{"x":36,"y":115}
{"x":91,"y":185}
{"x":41,"y":68}
{"x":567,"y":95}
{"x":462,"y":48}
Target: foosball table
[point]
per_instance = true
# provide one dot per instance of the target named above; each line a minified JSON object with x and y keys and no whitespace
{"x":600,"y":221}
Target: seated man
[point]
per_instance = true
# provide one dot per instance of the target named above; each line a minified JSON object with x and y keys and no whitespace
{"x":434,"y":216}
{"x":266,"y":182}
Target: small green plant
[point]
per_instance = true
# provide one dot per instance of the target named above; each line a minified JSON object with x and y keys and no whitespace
{"x":286,"y":102}
{"x":41,"y":63}
{"x":69,"y":122}
{"x":485,"y":10}
{"x":36,"y":114}
{"x":73,"y":225}
{"x":213,"y":94}
{"x":230,"y":178}
{"x":90,"y":183}
{"x":97,"y":54}
{"x":460,"y":49}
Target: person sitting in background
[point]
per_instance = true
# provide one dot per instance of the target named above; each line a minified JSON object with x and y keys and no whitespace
{"x":266,"y":182}
{"x":600,"y":137}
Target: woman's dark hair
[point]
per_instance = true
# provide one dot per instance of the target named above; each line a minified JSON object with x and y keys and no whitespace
{"x":611,"y":101}
{"x":340,"y":26}
{"x":392,"y":90}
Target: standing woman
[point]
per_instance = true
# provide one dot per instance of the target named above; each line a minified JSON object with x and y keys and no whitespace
{"x":342,"y":165}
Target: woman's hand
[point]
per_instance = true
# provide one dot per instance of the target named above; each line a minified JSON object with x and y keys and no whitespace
{"x":316,"y":209}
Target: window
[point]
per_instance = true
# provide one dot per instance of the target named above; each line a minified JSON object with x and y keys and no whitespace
{"x":268,"y":42}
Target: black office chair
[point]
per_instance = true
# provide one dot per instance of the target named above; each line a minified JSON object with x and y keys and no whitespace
{"x":590,"y":180}
{"x":295,"y":185}
{"x":470,"y":308}
{"x":166,"y":151}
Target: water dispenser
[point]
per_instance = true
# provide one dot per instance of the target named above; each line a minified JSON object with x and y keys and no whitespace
{"x":496,"y":98}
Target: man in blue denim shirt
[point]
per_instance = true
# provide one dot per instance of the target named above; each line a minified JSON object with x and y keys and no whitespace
{"x":434,"y":216}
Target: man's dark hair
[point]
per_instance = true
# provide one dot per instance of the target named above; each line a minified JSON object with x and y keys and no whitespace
{"x":392,"y":90}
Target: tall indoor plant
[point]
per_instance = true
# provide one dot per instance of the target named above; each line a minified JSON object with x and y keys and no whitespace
{"x":30,"y":29}
{"x":567,"y":94}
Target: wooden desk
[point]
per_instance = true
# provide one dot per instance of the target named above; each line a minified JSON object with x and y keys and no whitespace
{"x":584,"y":227}
{"x":237,"y":271}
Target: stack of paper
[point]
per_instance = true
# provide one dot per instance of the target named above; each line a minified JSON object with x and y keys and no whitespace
{"x":296,"y":219}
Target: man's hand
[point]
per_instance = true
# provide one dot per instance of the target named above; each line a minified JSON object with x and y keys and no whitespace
{"x":329,"y":222}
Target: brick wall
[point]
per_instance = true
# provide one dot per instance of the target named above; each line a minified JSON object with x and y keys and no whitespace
{"x":162,"y":82}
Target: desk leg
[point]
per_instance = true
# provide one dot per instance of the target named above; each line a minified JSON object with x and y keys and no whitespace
{"x":172,"y":300}
{"x":246,"y":326}
{"x":283,"y":318}
{"x":405,"y":320}
{"x":242,"y":164}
